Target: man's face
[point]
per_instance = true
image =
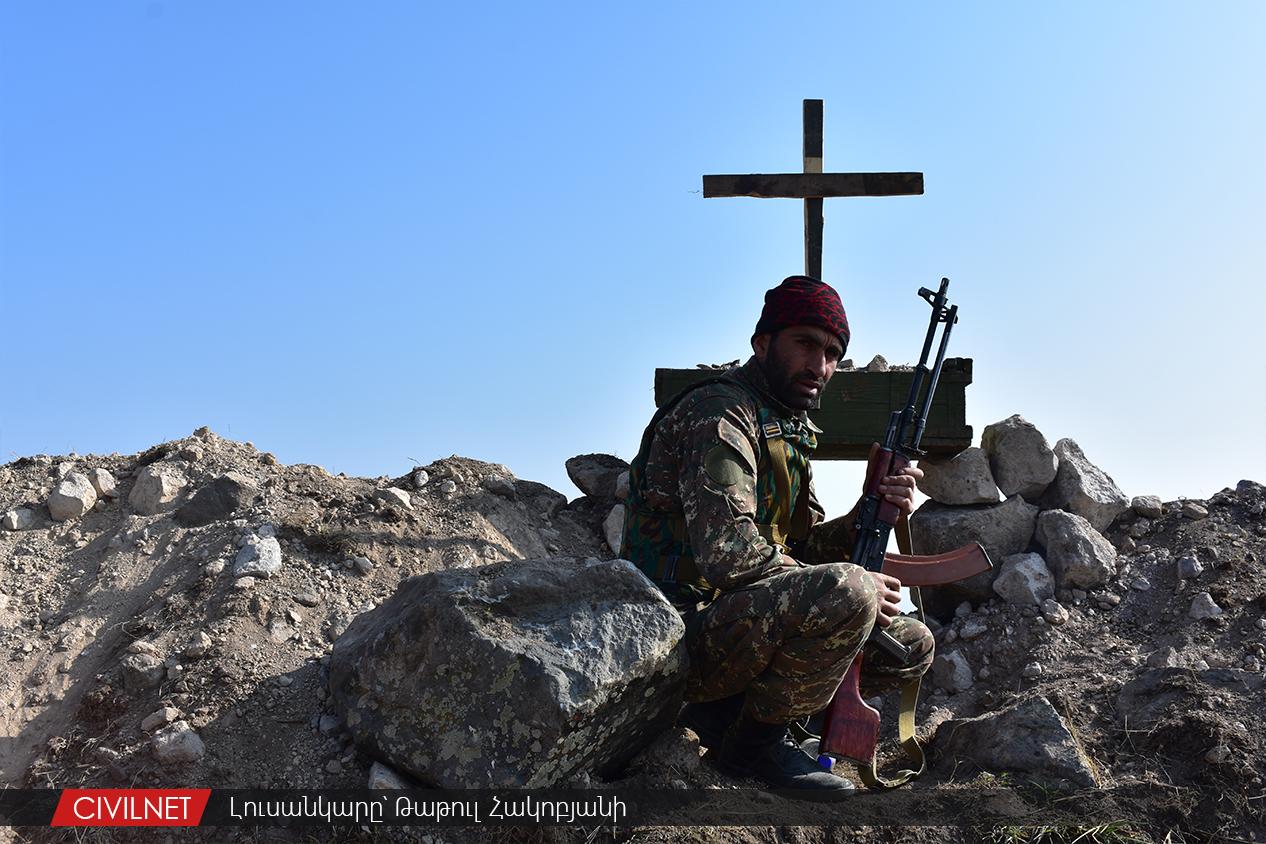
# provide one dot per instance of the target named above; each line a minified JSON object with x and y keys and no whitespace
{"x":798,"y":361}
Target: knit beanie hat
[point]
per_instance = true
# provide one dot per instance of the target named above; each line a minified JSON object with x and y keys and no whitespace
{"x":801,"y":300}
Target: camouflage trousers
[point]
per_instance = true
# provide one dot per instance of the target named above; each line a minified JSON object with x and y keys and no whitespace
{"x":789,"y":639}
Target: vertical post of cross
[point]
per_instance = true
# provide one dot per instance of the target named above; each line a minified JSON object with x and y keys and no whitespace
{"x":813,"y":204}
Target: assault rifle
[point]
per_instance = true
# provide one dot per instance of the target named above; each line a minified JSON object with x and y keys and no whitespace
{"x":851,"y":726}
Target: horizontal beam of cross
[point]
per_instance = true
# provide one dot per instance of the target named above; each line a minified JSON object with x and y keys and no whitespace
{"x":812,"y":185}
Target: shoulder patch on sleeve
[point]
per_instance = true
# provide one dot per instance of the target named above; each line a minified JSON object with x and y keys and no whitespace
{"x":725,"y":466}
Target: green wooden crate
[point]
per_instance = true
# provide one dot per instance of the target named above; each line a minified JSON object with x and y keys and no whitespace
{"x":857,"y":404}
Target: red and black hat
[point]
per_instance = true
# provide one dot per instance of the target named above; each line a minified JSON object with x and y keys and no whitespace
{"x":801,"y":300}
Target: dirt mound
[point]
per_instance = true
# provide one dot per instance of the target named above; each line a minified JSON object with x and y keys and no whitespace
{"x":137,"y":656}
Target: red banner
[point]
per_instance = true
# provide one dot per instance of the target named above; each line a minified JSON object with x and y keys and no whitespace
{"x":131,"y":807}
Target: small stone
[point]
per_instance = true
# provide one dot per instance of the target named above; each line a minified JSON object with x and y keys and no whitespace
{"x":21,"y":518}
{"x":285,"y":680}
{"x":1188,"y":566}
{"x":259,"y":557}
{"x":622,"y":485}
{"x":420,"y":478}
{"x":177,"y":744}
{"x":952,"y":672}
{"x":142,"y":671}
{"x":214,"y":567}
{"x":1033,"y":669}
{"x":1165,"y":657}
{"x":973,"y":628}
{"x":293,"y":617}
{"x":1260,"y":624}
{"x":1054,"y":612}
{"x":963,"y":610}
{"x":329,"y":724}
{"x":1140,"y":583}
{"x":1193,"y":510}
{"x":268,"y":458}
{"x":363,"y":565}
{"x":1203,"y":606}
{"x":198,"y":646}
{"x":1079,"y":594}
{"x":334,"y":767}
{"x":395,"y":496}
{"x":266,"y":531}
{"x":307,"y":599}
{"x":1217,"y":754}
{"x":1139,"y":529}
{"x":380,"y":776}
{"x":1148,"y":506}
{"x":1111,"y":599}
{"x":244,"y":583}
{"x":157,"y":719}
{"x":155,"y":488}
{"x":877,"y":364}
{"x":448,"y":487}
{"x":613,"y":529}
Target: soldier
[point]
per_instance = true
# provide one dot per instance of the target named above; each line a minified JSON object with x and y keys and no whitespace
{"x":720,"y":512}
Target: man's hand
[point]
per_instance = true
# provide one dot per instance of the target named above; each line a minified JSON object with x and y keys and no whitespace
{"x":889,"y":589}
{"x":899,"y":489}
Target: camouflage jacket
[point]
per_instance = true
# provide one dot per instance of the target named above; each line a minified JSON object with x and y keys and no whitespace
{"x":704,"y":470}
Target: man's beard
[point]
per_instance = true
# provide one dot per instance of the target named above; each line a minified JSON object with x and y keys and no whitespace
{"x":782,"y":380}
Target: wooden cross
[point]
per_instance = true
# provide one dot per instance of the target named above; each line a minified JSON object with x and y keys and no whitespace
{"x":813,"y":186}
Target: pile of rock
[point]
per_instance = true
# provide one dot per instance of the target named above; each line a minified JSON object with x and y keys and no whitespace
{"x":604,"y":479}
{"x":1039,"y":512}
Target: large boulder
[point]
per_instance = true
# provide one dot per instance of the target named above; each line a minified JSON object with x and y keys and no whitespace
{"x":72,"y":497}
{"x":596,"y":474}
{"x":1003,"y":529}
{"x":1078,"y":555}
{"x":965,"y":478}
{"x":217,"y":500}
{"x":155,"y":488}
{"x":1030,"y":738}
{"x":519,"y":674}
{"x":1083,"y":488}
{"x":1022,"y":462}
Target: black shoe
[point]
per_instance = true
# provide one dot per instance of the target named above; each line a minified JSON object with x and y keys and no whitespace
{"x":767,"y":752}
{"x":710,"y":720}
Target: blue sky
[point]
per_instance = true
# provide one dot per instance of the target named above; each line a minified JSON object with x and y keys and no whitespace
{"x":365,"y":234}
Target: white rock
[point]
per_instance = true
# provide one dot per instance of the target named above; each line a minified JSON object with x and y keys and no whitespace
{"x":259,"y":557}
{"x":963,"y":479}
{"x":1021,"y":461}
{"x":198,"y":646}
{"x":1033,"y":669}
{"x":952,"y":672}
{"x":1194,"y":510}
{"x":380,"y":776}
{"x":1076,"y":553}
{"x":1083,"y":488}
{"x":1054,"y":612}
{"x":178,"y":744}
{"x":155,"y":488}
{"x":103,"y":482}
{"x":157,"y":719}
{"x":396,"y":496}
{"x":20,"y":518}
{"x":1024,"y":579}
{"x":622,"y":485}
{"x":613,"y":529}
{"x":1148,"y":506}
{"x":448,"y":487}
{"x":72,"y":497}
{"x":1203,"y":606}
{"x":420,"y":478}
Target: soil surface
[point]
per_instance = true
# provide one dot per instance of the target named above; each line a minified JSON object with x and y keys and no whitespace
{"x":117,"y":627}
